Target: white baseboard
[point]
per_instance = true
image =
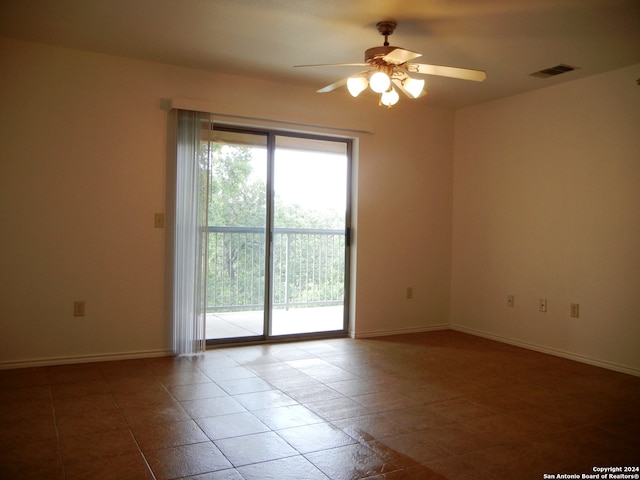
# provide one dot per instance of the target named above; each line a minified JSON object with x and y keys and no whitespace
{"x":46,"y":362}
{"x":551,"y":351}
{"x":398,"y":331}
{"x":43,"y":362}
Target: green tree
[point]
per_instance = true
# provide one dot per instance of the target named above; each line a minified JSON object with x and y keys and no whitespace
{"x":235,"y":199}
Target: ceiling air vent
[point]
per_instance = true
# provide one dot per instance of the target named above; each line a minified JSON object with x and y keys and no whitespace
{"x":553,"y":71}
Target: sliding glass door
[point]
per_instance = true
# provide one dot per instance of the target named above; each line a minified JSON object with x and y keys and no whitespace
{"x":277,"y":236}
{"x":310,"y":214}
{"x":236,"y":240}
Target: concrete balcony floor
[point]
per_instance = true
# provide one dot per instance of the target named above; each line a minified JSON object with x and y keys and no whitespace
{"x":284,"y":322}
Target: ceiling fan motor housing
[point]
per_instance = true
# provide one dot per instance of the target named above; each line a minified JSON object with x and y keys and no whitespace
{"x":375,"y":55}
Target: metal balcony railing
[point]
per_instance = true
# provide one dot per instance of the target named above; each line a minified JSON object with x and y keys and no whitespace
{"x":308,"y":268}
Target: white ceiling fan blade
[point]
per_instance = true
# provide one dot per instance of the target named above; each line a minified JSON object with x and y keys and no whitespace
{"x":335,"y":65}
{"x":333,"y":86}
{"x":341,"y":82}
{"x":400,"y":56}
{"x":399,"y":86}
{"x":453,"y":72}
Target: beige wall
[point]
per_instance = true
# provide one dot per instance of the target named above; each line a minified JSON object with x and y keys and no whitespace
{"x":547,"y":204}
{"x":83,"y":162}
{"x":404,"y":208}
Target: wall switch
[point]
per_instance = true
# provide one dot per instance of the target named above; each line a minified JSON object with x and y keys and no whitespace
{"x":158,"y":220}
{"x":409,"y":293}
{"x":542,"y":305}
{"x":78,"y":308}
{"x":575,"y":310}
{"x":510,"y":300}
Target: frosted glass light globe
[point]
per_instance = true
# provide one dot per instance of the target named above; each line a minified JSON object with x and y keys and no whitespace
{"x":389,"y":98}
{"x":414,"y":86}
{"x":356,"y":85}
{"x":379,"y":82}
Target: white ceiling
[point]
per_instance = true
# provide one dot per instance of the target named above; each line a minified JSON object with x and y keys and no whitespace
{"x":509,"y":39}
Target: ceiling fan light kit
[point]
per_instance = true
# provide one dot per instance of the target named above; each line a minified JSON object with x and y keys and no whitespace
{"x":390,"y":67}
{"x":414,"y":86}
{"x":389,"y":98}
{"x":379,"y":82}
{"x":356,"y":85}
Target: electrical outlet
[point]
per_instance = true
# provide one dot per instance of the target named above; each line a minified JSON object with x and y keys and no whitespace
{"x":575,"y":310}
{"x":542,"y":305}
{"x":510,"y":300}
{"x":78,"y":308}
{"x":409,"y":294}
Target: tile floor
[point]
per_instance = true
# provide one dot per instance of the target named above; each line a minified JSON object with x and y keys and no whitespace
{"x":439,"y":405}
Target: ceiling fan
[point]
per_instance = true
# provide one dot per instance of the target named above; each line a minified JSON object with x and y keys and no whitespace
{"x":389,"y":68}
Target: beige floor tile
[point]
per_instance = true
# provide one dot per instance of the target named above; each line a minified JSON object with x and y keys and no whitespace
{"x":438,"y":405}
{"x":130,"y":466}
{"x":88,"y":423}
{"x":233,"y":425}
{"x":256,"y":448}
{"x":79,"y":389}
{"x":86,"y":448}
{"x":166,"y":413}
{"x":262,"y":400}
{"x":155,"y":436}
{"x":315,"y":437}
{"x":26,"y":430}
{"x":196,"y":391}
{"x":228,"y":474}
{"x":187,"y":460}
{"x":417,"y":446}
{"x":350,"y":462}
{"x":85,"y":404}
{"x":212,"y":407}
{"x":289,"y":416}
{"x":291,"y":468}
{"x":27,"y":461}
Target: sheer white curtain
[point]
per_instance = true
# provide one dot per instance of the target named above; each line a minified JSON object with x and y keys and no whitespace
{"x":189,"y":268}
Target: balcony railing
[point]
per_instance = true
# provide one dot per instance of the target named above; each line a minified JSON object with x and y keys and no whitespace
{"x":308,"y":268}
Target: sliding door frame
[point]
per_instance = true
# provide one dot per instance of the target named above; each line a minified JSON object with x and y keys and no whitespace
{"x":267,"y":337}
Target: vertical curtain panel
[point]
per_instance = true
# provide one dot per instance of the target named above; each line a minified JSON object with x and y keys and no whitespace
{"x":190,"y":245}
